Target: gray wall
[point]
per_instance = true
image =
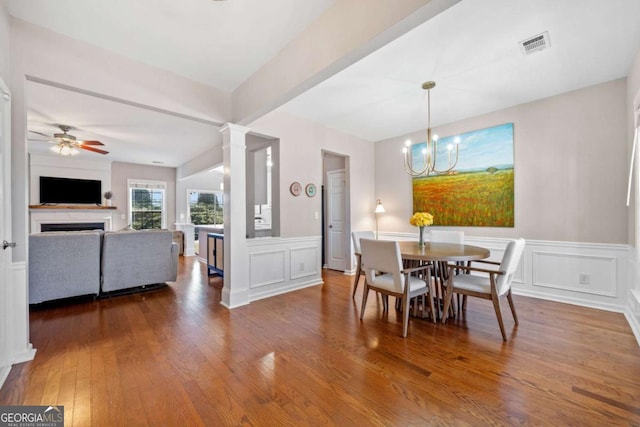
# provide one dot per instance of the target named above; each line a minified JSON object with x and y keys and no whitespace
{"x":121,"y":172}
{"x":571,"y":168}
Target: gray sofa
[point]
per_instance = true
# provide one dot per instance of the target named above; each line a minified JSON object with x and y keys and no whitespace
{"x":66,"y":264}
{"x":138,"y":258}
{"x":63,"y":264}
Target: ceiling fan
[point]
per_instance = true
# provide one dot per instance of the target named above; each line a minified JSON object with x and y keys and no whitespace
{"x":68,"y":145}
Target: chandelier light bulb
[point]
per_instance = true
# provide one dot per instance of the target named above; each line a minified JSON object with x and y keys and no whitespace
{"x":456,"y":140}
{"x":430,"y":152}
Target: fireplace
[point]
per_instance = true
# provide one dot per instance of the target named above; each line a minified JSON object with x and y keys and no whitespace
{"x":72,"y":226}
{"x":56,"y":218}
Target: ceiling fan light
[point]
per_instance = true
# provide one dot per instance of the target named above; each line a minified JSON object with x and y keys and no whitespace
{"x":66,"y":150}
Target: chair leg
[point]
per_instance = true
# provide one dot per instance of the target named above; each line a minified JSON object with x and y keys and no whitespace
{"x":429,"y":295}
{"x":405,"y":315}
{"x":355,"y":282}
{"x":365,"y":293}
{"x":447,"y":300}
{"x":496,"y":306}
{"x":513,"y":307}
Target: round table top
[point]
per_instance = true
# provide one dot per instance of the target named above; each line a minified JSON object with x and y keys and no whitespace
{"x":442,"y":252}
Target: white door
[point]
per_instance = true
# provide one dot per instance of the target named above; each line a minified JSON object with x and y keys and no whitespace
{"x":5,"y":226}
{"x":336,"y":253}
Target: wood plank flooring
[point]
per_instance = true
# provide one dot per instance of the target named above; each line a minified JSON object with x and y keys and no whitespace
{"x":175,"y":356}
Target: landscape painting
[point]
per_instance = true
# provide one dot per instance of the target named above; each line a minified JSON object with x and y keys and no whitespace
{"x":479,"y":190}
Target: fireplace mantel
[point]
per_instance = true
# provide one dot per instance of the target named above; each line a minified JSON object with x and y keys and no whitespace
{"x":65,"y":214}
{"x":76,"y":207}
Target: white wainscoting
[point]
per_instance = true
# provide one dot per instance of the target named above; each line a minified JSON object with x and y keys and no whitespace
{"x":588,"y":274}
{"x":20,"y":348}
{"x":278,"y":265}
{"x":633,"y":307}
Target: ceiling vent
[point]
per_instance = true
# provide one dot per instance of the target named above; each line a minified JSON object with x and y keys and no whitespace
{"x":535,"y":43}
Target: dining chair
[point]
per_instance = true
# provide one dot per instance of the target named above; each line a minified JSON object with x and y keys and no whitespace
{"x":440,"y":269}
{"x":487,"y":283}
{"x":356,"y":236}
{"x":382,"y":265}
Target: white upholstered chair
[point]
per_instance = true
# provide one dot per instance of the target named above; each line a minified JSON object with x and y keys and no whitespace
{"x":356,"y":236}
{"x":488,"y":284}
{"x":382,"y":265}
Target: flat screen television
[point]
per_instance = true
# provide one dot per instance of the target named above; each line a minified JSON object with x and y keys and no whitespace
{"x":54,"y":190}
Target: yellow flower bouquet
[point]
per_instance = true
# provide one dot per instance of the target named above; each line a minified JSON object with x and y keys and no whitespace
{"x":421,"y":220}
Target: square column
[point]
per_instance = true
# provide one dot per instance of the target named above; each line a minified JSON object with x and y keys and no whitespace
{"x":235,"y":291}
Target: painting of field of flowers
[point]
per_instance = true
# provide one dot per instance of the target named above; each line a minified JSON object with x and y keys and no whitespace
{"x":479,"y":190}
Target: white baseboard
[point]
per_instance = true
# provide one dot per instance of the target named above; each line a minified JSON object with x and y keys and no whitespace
{"x":633,"y":323}
{"x":4,"y":373}
{"x":285,"y":289}
{"x":570,"y":300}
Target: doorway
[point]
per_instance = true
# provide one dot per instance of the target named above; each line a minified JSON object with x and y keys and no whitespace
{"x":336,"y":212}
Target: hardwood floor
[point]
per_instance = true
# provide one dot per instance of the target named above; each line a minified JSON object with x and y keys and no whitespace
{"x":174,"y":356}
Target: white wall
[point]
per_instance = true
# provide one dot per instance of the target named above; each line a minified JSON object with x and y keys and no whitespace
{"x":4,"y":42}
{"x":570,"y":168}
{"x":301,"y":145}
{"x":65,"y":167}
{"x":121,"y":172}
{"x":633,"y":309}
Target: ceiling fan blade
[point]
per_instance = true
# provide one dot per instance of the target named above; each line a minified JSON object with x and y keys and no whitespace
{"x":95,"y":150}
{"x":90,"y":143}
{"x":40,"y":133}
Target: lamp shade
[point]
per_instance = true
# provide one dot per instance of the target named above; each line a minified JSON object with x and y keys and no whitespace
{"x":379,"y":207}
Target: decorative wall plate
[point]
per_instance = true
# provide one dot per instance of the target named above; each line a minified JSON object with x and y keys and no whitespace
{"x":310,"y":189}
{"x":295,"y":188}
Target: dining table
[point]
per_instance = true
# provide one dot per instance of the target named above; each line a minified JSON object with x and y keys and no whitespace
{"x":441,"y":254}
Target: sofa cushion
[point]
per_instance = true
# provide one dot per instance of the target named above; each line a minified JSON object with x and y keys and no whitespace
{"x":63,"y":264}
{"x":138,"y":258}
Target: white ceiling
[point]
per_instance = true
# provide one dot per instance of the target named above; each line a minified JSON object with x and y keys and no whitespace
{"x":205,"y":40}
{"x":471,"y":51}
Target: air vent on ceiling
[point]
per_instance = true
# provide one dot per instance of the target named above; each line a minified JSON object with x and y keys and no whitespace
{"x":535,"y":43}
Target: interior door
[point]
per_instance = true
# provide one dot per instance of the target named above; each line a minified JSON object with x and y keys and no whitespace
{"x":336,"y":256}
{"x":5,"y":226}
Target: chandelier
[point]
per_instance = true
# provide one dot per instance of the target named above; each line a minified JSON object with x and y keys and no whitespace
{"x":429,"y":153}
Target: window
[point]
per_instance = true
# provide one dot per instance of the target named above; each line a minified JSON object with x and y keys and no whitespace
{"x":147,"y":205}
{"x":205,"y":207}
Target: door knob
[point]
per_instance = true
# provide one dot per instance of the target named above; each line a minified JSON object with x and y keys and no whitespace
{"x":6,"y":244}
{"x":330,"y":226}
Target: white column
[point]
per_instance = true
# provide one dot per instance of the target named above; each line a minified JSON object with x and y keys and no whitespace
{"x":235,"y":291}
